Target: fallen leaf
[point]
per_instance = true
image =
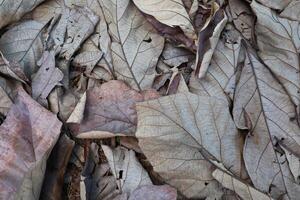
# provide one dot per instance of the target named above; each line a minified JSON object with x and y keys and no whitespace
{"x":11,"y":10}
{"x":80,"y":25}
{"x":221,"y":70}
{"x":169,"y":12}
{"x":107,"y":113}
{"x":177,"y":131}
{"x":279,"y":44}
{"x":127,"y":170}
{"x":207,"y":41}
{"x":264,"y":108}
{"x":244,"y":190}
{"x":291,"y":11}
{"x":23,"y":44}
{"x":243,"y":18}
{"x":154,"y":192}
{"x":47,"y":77}
{"x":130,"y":30}
{"x":57,"y":163}
{"x":39,"y":130}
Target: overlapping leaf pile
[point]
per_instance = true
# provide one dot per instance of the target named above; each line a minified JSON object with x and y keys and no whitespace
{"x":160,"y":99}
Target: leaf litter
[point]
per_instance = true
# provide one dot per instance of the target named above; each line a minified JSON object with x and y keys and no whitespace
{"x":149,"y":100}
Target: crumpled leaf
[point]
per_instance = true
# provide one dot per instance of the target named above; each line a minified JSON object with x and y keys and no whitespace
{"x":97,"y":182}
{"x":13,"y":10}
{"x":130,"y":30}
{"x":208,"y":40}
{"x":29,"y":127}
{"x":263,"y":107}
{"x":126,"y":169}
{"x":47,"y":77}
{"x":23,"y":44}
{"x":131,"y":180}
{"x":222,"y":68}
{"x":89,"y":54}
{"x":80,"y":25}
{"x":5,"y":102}
{"x":174,"y":34}
{"x":177,"y":131}
{"x":278,"y":43}
{"x":169,"y":12}
{"x":175,"y":56}
{"x":55,"y":171}
{"x":245,"y":191}
{"x":110,"y":113}
{"x":243,"y":18}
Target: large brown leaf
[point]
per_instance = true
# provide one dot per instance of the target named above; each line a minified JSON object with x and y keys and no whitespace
{"x":278,"y":41}
{"x":110,"y":110}
{"x":177,"y":132}
{"x":264,"y":108}
{"x":27,"y":136}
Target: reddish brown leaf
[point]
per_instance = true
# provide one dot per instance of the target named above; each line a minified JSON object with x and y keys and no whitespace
{"x":26,"y":137}
{"x":110,"y":110}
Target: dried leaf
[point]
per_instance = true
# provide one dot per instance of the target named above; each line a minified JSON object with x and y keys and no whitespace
{"x":207,"y":42}
{"x":13,"y":10}
{"x":78,"y":112}
{"x":278,"y":43}
{"x":89,"y":54}
{"x":292,"y":11}
{"x":243,"y":18}
{"x":154,"y":192}
{"x":275,"y":4}
{"x":23,"y":44}
{"x":245,"y":191}
{"x":80,"y":25}
{"x":126,"y":169}
{"x":175,"y":56}
{"x":97,"y":182}
{"x":262,"y":106}
{"x":47,"y":77}
{"x":110,"y":113}
{"x":39,"y":130}
{"x":221,"y":70}
{"x":130,"y":30}
{"x":58,"y":160}
{"x":176,"y":131}
{"x":169,"y":12}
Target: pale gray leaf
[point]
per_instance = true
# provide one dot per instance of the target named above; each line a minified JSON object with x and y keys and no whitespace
{"x":23,"y":43}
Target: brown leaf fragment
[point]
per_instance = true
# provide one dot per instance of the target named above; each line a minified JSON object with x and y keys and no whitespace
{"x":110,"y":110}
{"x":207,"y":41}
{"x":81,"y":24}
{"x":243,"y":18}
{"x":27,"y":136}
{"x":174,"y":34}
{"x":47,"y":77}
{"x":56,"y":167}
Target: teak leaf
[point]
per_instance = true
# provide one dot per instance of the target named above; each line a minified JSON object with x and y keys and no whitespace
{"x":177,"y":131}
{"x":135,"y":46}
